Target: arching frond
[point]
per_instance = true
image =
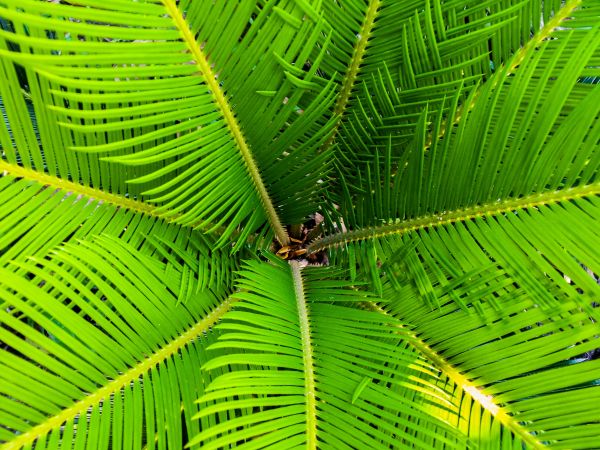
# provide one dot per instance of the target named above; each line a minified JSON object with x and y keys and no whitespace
{"x":98,"y":352}
{"x":40,"y":211}
{"x":398,"y":56}
{"x":481,"y":417}
{"x":490,"y":166}
{"x":486,"y":243}
{"x":447,"y":152}
{"x":529,"y":362}
{"x":320,"y":369}
{"x":193,"y":118}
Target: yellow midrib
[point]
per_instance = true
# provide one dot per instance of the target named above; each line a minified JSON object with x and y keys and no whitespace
{"x":354,"y":67}
{"x":461,"y":381}
{"x":118,"y":201}
{"x":307,"y":353}
{"x":543,"y":34}
{"x":78,"y":189}
{"x":121,"y":381}
{"x":461,"y":215}
{"x":228,"y":115}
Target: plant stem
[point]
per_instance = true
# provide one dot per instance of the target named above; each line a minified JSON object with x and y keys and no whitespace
{"x":514,"y":62}
{"x":78,"y":189}
{"x":352,"y":72}
{"x":90,"y":193}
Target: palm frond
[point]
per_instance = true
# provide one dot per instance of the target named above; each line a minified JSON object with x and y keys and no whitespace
{"x":319,"y":369}
{"x":39,"y":212}
{"x":211,"y":138}
{"x":487,"y":423}
{"x":151,"y":151}
{"x":398,"y":56}
{"x":487,"y":250}
{"x":519,"y":359}
{"x":496,"y":171}
{"x":98,"y":352}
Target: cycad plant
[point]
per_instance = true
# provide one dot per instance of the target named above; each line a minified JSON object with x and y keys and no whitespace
{"x":299,"y":224}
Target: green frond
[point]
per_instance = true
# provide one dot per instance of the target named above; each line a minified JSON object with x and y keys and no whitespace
{"x":490,"y":166}
{"x":320,"y":370}
{"x":526,"y":345}
{"x":98,"y":350}
{"x":435,"y":160}
{"x":487,"y":423}
{"x":175,"y":108}
{"x":483,"y":242}
{"x":39,"y":212}
{"x":398,"y":56}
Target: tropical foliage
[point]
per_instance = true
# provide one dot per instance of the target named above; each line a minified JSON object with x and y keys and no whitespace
{"x":299,"y":223}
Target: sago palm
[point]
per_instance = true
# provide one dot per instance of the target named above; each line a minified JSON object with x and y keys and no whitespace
{"x":299,"y":223}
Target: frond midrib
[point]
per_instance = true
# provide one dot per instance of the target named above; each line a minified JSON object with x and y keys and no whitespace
{"x":459,"y":215}
{"x":514,"y":62}
{"x":121,"y":381}
{"x":353,"y":68}
{"x":307,"y":354}
{"x":485,"y":401}
{"x":92,"y":194}
{"x":228,"y":115}
{"x":46,"y":179}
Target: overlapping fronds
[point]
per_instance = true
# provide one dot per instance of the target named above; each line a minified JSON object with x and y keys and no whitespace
{"x":319,"y":368}
{"x":97,"y":350}
{"x":486,"y":243}
{"x":147,"y":148}
{"x":201,"y":119}
{"x":38,"y":215}
{"x":398,"y":56}
{"x":526,"y":352}
{"x":530,"y":141}
{"x":480,"y":416}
